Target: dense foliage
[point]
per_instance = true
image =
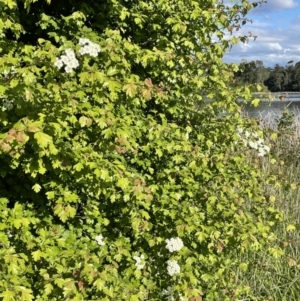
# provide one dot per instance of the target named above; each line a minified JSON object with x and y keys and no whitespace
{"x":276,"y":79}
{"x":115,"y":182}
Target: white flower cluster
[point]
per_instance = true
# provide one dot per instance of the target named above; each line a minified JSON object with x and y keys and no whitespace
{"x":7,"y":105}
{"x":88,"y":47}
{"x":173,"y":267}
{"x":169,"y":294}
{"x":99,"y":239}
{"x":68,"y":60}
{"x":252,"y":140}
{"x":174,"y":244}
{"x":140,"y":263}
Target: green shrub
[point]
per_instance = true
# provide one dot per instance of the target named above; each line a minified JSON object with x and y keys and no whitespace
{"x":113,"y":186}
{"x":285,"y":123}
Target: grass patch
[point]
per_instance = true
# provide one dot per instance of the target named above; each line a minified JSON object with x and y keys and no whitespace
{"x":277,"y":277}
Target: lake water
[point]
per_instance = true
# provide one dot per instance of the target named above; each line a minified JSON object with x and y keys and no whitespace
{"x":274,"y":108}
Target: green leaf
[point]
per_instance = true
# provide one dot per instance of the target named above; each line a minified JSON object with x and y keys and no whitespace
{"x":123,"y":183}
{"x":59,"y":282}
{"x":130,"y":89}
{"x":99,"y":283}
{"x":258,"y":88}
{"x":85,"y":121}
{"x":276,"y":252}
{"x":124,"y":14}
{"x":26,"y":294}
{"x":48,"y":288}
{"x":8,"y":296}
{"x":43,"y":140}
{"x":29,"y":79}
{"x":290,"y":228}
{"x":17,"y":223}
{"x":78,"y":166}
{"x":36,"y":187}
{"x":255,"y":102}
{"x":134,"y":298}
{"x":36,"y":255}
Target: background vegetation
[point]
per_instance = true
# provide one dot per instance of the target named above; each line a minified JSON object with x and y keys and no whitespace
{"x":279,"y":78}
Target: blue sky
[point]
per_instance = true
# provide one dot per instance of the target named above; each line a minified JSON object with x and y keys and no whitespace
{"x":277,"y":25}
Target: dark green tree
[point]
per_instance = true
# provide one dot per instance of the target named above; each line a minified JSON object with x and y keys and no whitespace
{"x":295,"y":77}
{"x":277,"y":80}
{"x":252,"y":72}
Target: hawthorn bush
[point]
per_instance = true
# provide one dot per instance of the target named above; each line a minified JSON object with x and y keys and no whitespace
{"x":116,"y":182}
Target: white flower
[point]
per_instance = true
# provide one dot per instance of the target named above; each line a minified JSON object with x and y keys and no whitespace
{"x":173,"y":267}
{"x":64,"y":59}
{"x":73,"y":64}
{"x":82,"y":50}
{"x":68,"y":60}
{"x":260,"y":141}
{"x":58,"y":63}
{"x":68,"y":69}
{"x":240,"y":130}
{"x":140,"y":263}
{"x":267,"y":149}
{"x":253,"y":144}
{"x":70,"y":53}
{"x":256,"y":142}
{"x":261,"y":152}
{"x":7,"y":105}
{"x":89,"y":47}
{"x":174,"y":244}
{"x":99,"y":239}
{"x":83,"y":41}
{"x":169,"y":293}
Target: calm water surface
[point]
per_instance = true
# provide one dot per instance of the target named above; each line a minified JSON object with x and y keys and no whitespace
{"x":275,"y":107}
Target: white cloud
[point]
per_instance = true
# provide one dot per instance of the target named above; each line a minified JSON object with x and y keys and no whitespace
{"x":276,"y":25}
{"x":275,"y":5}
{"x":282,"y":4}
{"x":269,"y":5}
{"x":273,"y":44}
{"x":245,"y":47}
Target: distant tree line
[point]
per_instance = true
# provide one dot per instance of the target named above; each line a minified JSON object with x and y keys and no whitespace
{"x":274,"y":79}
